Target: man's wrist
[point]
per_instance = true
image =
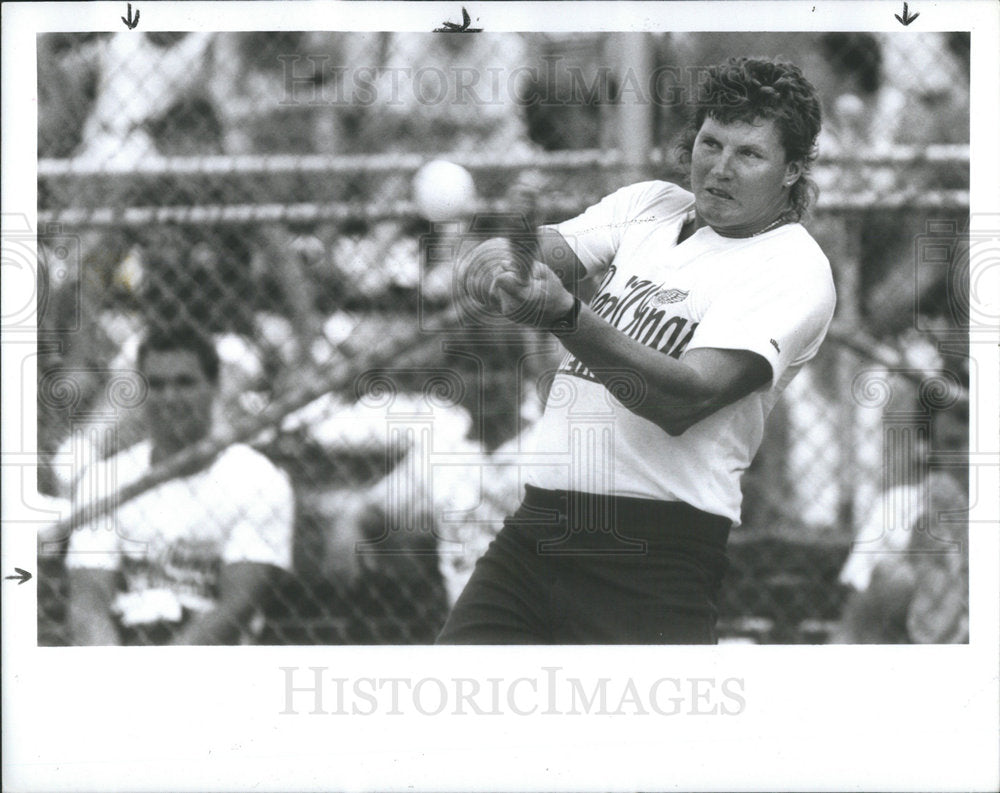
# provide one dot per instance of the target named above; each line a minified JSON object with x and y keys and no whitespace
{"x":567,"y":321}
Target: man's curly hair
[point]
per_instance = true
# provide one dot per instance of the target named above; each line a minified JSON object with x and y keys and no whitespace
{"x":752,"y":89}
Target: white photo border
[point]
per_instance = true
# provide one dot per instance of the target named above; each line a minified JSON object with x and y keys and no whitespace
{"x":803,"y":717}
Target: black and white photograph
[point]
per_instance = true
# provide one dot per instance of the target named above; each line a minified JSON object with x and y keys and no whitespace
{"x":417,"y":364}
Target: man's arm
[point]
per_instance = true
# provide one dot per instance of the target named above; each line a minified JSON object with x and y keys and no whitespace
{"x":243,"y":586}
{"x":673,"y":394}
{"x":91,"y":592}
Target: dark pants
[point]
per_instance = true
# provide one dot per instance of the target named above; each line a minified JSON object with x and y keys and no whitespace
{"x":575,"y":568}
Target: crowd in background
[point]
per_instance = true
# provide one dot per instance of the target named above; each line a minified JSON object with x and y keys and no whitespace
{"x":277,"y":297}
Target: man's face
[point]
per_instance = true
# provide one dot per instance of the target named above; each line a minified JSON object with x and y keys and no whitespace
{"x":179,"y":406}
{"x":739,"y":175}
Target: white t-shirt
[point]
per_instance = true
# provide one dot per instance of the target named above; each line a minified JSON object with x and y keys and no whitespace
{"x":771,"y":294}
{"x":171,"y":541}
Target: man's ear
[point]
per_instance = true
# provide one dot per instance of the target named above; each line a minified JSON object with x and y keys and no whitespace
{"x":793,"y":171}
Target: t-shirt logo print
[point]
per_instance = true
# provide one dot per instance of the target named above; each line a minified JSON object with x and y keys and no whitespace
{"x":665,"y":296}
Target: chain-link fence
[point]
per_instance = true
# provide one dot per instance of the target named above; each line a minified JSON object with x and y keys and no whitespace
{"x":258,"y":187}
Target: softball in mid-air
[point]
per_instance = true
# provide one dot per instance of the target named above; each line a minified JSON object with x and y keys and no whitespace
{"x":443,"y":191}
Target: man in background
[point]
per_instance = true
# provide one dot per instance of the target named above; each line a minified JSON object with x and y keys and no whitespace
{"x":908,"y":571}
{"x":192,"y":560}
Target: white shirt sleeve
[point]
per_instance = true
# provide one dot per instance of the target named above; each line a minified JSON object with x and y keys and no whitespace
{"x":782,"y":316}
{"x":264,"y":523}
{"x":596,"y":234}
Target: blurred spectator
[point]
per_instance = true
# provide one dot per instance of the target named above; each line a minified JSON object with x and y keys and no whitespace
{"x":499,"y":475}
{"x":451,"y":93}
{"x":192,"y":560}
{"x":69,"y":70}
{"x":925,"y":97}
{"x":278,"y":91}
{"x":374,"y":548}
{"x":408,"y":537}
{"x":191,"y":276}
{"x":142,"y":76}
{"x":73,"y":348}
{"x":908,"y":569}
{"x":562,"y":95}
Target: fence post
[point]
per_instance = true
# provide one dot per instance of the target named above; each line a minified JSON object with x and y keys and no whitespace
{"x":847,"y":264}
{"x":634,"y":118}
